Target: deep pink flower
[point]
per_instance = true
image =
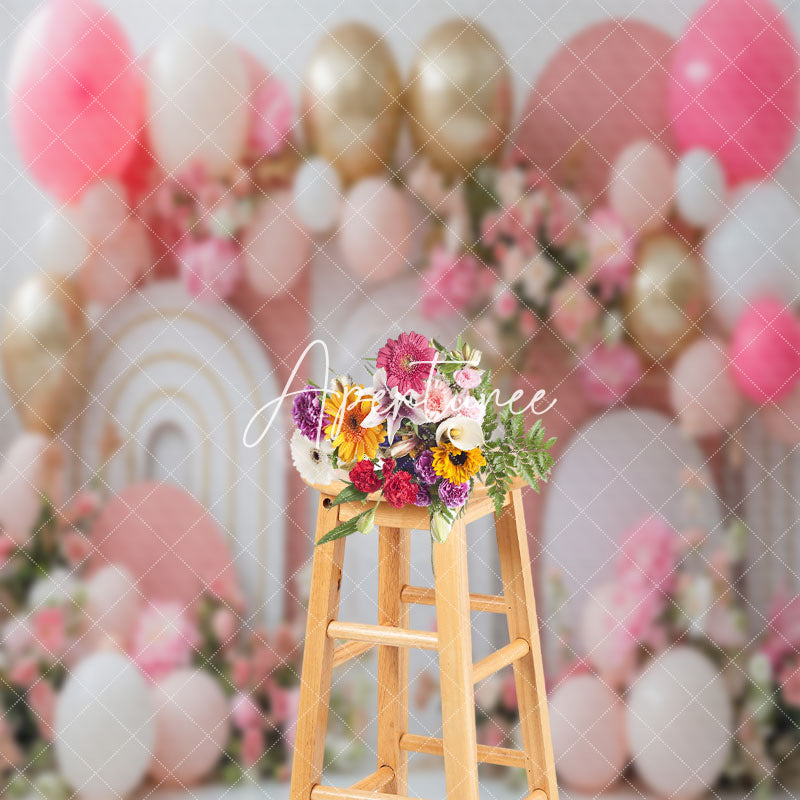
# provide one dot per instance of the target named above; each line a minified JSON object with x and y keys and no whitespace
{"x":163,"y":639}
{"x":408,"y":361}
{"x":211,"y":268}
{"x":609,"y":371}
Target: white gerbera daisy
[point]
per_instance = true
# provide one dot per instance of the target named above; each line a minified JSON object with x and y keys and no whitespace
{"x":312,"y":462}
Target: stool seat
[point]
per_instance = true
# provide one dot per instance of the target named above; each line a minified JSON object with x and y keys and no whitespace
{"x":452,"y":640}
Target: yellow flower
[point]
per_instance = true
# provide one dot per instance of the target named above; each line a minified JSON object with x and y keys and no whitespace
{"x":347,"y":409}
{"x":457,"y":466}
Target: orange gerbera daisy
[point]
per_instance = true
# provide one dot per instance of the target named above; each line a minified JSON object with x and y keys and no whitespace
{"x":347,"y":410}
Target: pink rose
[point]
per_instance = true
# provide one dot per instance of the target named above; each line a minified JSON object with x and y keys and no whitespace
{"x":609,"y":371}
{"x":252,"y":746}
{"x":211,"y":268}
{"x":163,"y":639}
{"x":49,"y":630}
{"x":468,"y":377}
{"x":42,"y":700}
{"x":244,"y":712}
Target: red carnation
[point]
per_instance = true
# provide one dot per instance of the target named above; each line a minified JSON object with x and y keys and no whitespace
{"x":387,"y":467}
{"x":399,"y":490}
{"x":364,"y":478}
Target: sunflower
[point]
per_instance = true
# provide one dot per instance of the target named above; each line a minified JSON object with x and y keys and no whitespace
{"x":347,"y":410}
{"x":457,"y":466}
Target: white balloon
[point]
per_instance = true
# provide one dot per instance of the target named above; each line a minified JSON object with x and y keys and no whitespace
{"x":104,"y":729}
{"x":317,"y":195}
{"x":103,"y":210}
{"x":197,"y":101}
{"x":679,"y":724}
{"x":754,"y":252}
{"x":112,"y":603}
{"x":63,"y":246}
{"x":700,"y":188}
{"x":587,"y":722}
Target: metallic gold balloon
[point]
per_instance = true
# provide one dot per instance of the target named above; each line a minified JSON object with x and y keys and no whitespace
{"x":667,"y":297}
{"x":351,"y":108}
{"x":44,"y":351}
{"x":459,"y":97}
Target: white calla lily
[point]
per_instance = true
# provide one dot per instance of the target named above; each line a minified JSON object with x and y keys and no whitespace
{"x":462,"y":432}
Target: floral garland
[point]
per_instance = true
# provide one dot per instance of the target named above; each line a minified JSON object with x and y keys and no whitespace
{"x":422,"y":435}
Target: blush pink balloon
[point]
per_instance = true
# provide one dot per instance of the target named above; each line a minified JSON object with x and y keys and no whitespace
{"x":75,"y":96}
{"x":375,"y":232}
{"x":765,"y":351}
{"x":271,"y":113}
{"x":192,"y":727}
{"x":117,"y":264}
{"x":734,"y":88}
{"x":605,"y":88}
{"x":275,"y":246}
{"x":168,"y":542}
{"x":587,"y":722}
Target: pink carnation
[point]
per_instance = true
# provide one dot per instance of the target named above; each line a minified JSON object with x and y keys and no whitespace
{"x":452,"y":283}
{"x":470,"y":407}
{"x":163,"y":639}
{"x":468,"y":377}
{"x":211,"y":268}
{"x":609,"y":371}
{"x":437,"y":401}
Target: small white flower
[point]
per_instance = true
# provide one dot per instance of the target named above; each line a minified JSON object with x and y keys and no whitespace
{"x":460,"y":431}
{"x":312,"y":462}
{"x":537,"y":277}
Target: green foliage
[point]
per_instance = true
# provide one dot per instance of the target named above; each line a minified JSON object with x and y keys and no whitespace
{"x":514,"y":452}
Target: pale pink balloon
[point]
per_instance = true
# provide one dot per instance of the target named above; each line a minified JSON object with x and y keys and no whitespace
{"x":642,"y":186}
{"x":192,"y":727}
{"x":605,"y":88}
{"x":23,"y":478}
{"x":765,"y":351}
{"x":117,"y":264}
{"x":376,"y":228}
{"x":276,"y":247}
{"x":112,"y":604}
{"x":103,"y":210}
{"x":735,"y":88}
{"x":587,"y":722}
{"x":701,"y":390}
{"x":167,"y":540}
{"x":75,"y":96}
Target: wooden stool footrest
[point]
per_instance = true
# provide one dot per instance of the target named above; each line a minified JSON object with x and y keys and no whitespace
{"x":376,"y":781}
{"x":332,"y":793}
{"x":382,"y":634}
{"x":347,"y":652}
{"x":538,"y":794}
{"x":502,"y":756}
{"x":512,"y":652}
{"x":477,"y":602}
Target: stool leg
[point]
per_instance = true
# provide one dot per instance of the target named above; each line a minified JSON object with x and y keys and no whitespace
{"x":393,"y":574}
{"x":515,"y":567}
{"x":455,"y":665}
{"x":315,"y":683}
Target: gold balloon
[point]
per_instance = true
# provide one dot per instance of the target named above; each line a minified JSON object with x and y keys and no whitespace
{"x":351,"y":108}
{"x":44,"y":351}
{"x":666,"y":299}
{"x":459,"y":97}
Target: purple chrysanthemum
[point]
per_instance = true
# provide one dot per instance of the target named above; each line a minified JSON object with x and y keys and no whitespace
{"x":453,"y":495}
{"x":423,"y":497}
{"x":307,"y":411}
{"x":423,"y":466}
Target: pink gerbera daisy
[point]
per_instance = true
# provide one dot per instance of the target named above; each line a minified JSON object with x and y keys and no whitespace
{"x":408,"y":361}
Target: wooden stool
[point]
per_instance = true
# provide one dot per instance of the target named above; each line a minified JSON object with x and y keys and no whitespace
{"x":453,"y":642}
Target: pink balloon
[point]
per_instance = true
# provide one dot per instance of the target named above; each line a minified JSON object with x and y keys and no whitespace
{"x":117,"y":264}
{"x":271,"y":112}
{"x":276,"y":247}
{"x":734,"y":86}
{"x":701,"y":391}
{"x":192,"y":727}
{"x":75,"y":95}
{"x":375,"y":233}
{"x":765,"y":351}
{"x":605,"y":88}
{"x":642,"y":186}
{"x":587,"y":722}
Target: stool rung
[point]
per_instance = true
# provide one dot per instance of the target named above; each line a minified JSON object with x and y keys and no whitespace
{"x":382,"y":634}
{"x":537,"y":794}
{"x":512,"y":652}
{"x":502,"y":756}
{"x":349,"y":651}
{"x":333,"y":793}
{"x":477,"y":602}
{"x":376,"y":781}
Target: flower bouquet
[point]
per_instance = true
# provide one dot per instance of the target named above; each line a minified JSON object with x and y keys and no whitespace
{"x":428,"y":429}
